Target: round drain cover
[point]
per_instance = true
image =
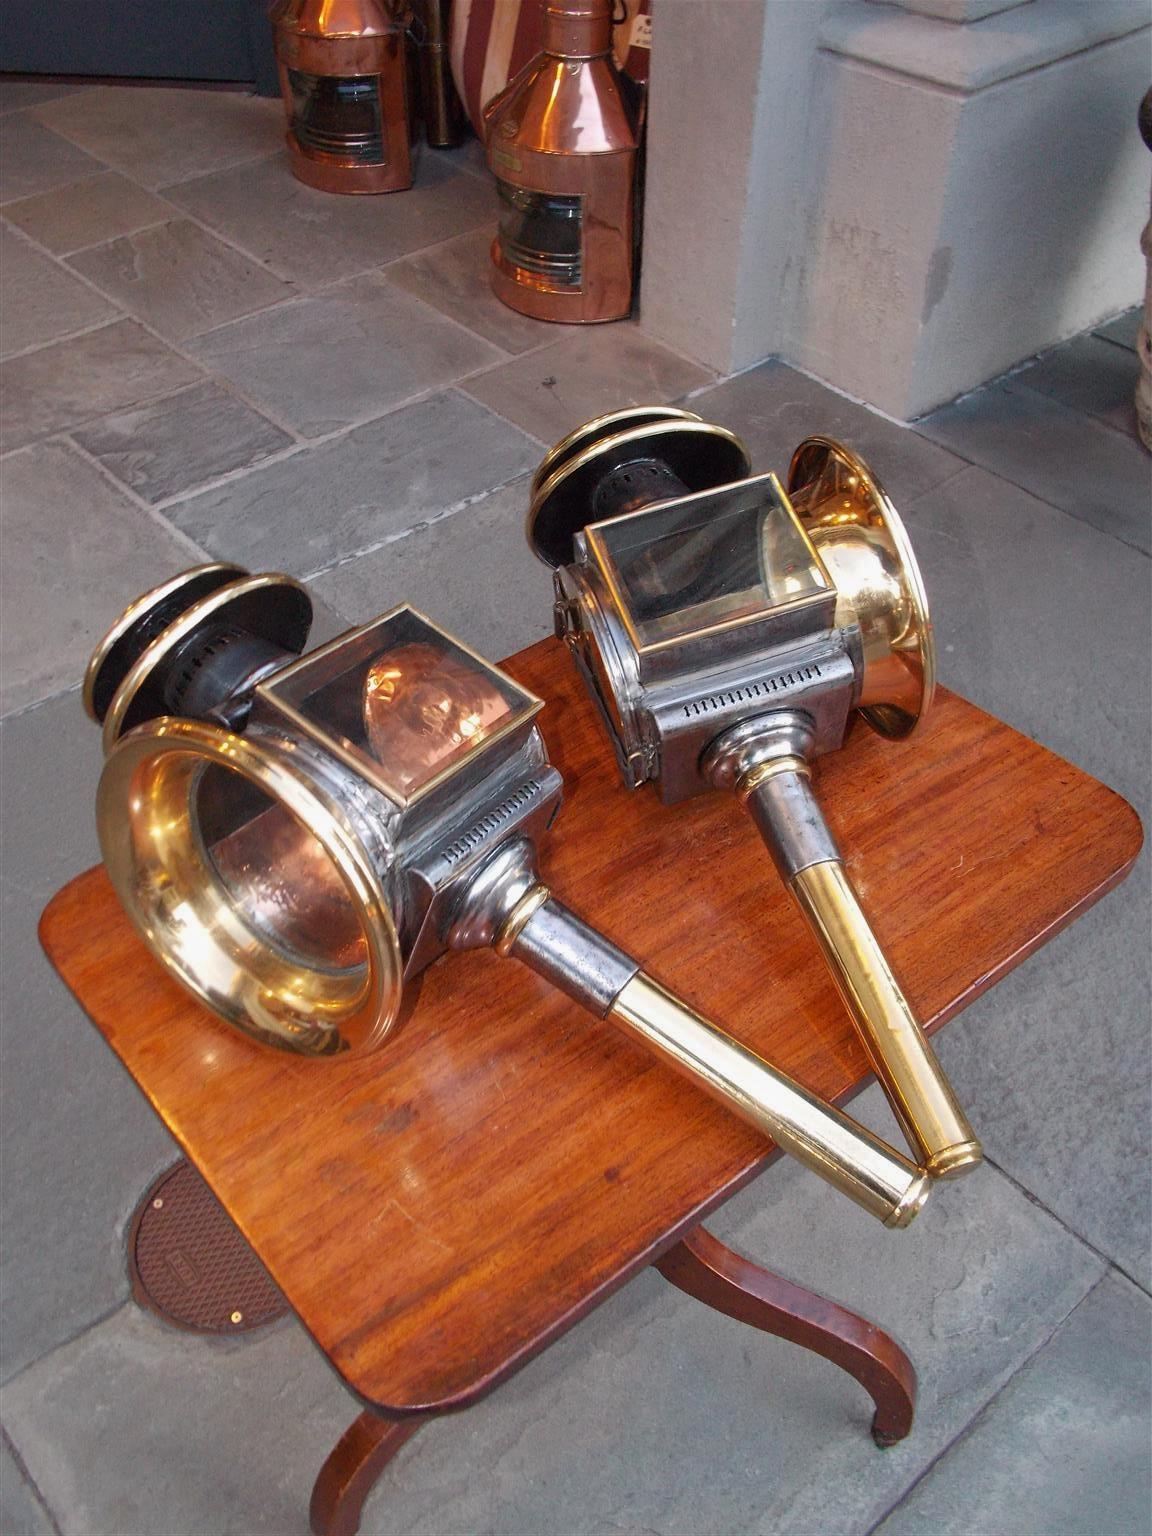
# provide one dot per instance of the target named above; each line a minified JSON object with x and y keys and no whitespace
{"x":190,"y":1265}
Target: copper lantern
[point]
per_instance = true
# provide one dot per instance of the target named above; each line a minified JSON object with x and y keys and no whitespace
{"x":345,"y":78}
{"x":563,"y":143}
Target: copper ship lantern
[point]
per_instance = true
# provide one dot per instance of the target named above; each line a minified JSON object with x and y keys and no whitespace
{"x":563,"y":143}
{"x":345,"y":75}
{"x":296,"y":837}
{"x":729,"y":628}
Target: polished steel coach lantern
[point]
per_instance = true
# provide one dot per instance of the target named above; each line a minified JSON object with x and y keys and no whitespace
{"x":297,"y":837}
{"x":728,"y":627}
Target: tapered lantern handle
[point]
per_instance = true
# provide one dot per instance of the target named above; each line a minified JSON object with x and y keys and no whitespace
{"x":783,"y":804}
{"x":557,"y":944}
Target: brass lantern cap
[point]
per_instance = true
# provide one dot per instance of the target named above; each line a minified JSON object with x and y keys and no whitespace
{"x":837,"y":497}
{"x":140,"y":622}
{"x":273,"y":606}
{"x":699,"y":453}
{"x":604,"y":426}
{"x":153,"y":850}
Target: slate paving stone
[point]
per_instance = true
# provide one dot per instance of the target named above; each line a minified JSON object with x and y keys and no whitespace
{"x":308,"y":511}
{"x":453,"y":277}
{"x":588,"y":371}
{"x":1042,"y":620}
{"x":179,"y":279}
{"x":356,"y":350}
{"x":65,"y":577}
{"x":157,"y":135}
{"x":79,"y":1143}
{"x":20,"y":1512}
{"x":774,"y":407}
{"x":64,"y":385}
{"x":42,"y":302}
{"x":601,"y":1433}
{"x":181,"y":442}
{"x":1064,"y":1447}
{"x":316,"y":238}
{"x":88,"y":212}
{"x":1122,"y":329}
{"x":17,"y":94}
{"x":472,"y":572}
{"x":1060,"y":455}
{"x":35,"y":159}
{"x":1089,"y":375}
{"x":178,"y":1433}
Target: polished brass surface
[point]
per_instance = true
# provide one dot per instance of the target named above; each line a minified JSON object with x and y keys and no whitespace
{"x":862,"y":541}
{"x":285,"y":932}
{"x":142,"y":620}
{"x":900,"y":1054}
{"x":600,"y":427}
{"x":700,"y":453}
{"x":833,"y":1145}
{"x":277,"y":604}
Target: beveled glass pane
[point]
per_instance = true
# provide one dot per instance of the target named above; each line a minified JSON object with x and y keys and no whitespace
{"x":707,"y":561}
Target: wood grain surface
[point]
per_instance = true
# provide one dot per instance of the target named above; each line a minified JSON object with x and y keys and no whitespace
{"x":439,"y":1212}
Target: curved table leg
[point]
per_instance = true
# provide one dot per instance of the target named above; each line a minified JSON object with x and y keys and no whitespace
{"x":346,"y":1478}
{"x":703,"y":1267}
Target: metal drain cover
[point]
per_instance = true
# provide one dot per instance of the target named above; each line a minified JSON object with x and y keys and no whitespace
{"x":189,"y":1263}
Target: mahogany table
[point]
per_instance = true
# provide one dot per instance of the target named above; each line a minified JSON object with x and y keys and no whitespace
{"x":438,"y":1213}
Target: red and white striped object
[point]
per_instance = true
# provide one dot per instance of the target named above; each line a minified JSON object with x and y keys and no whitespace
{"x":492,"y":39}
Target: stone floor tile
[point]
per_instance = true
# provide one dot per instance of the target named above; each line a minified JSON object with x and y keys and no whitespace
{"x":35,"y":159}
{"x":356,"y":350}
{"x":17,"y":94}
{"x":1065,"y":1445}
{"x":472,"y":572}
{"x":588,"y":371}
{"x":78,"y":1142}
{"x":20,"y":1511}
{"x":1058,"y":454}
{"x":112,"y":369}
{"x":88,"y":212}
{"x":64,"y":575}
{"x":319,"y":506}
{"x":1090,"y":375}
{"x":157,"y":134}
{"x":1122,"y":329}
{"x":1042,"y":620}
{"x":136,"y":1429}
{"x":453,"y":277}
{"x":182,"y":441}
{"x":179,"y":279}
{"x":316,"y":238}
{"x":658,"y":1416}
{"x":42,"y":301}
{"x":774,"y":407}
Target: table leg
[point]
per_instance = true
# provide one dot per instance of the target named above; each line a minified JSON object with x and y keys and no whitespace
{"x":703,"y":1267}
{"x":346,"y":1478}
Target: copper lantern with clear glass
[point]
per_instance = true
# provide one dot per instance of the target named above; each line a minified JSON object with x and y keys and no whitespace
{"x":346,"y":80}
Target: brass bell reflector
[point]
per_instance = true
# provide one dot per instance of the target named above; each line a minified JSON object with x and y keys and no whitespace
{"x":326,"y":826}
{"x":860,"y":537}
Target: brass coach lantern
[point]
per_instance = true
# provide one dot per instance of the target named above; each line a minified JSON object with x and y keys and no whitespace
{"x":297,"y":838}
{"x":728,"y":628}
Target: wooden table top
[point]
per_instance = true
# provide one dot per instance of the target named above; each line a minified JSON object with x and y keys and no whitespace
{"x":438,"y":1212}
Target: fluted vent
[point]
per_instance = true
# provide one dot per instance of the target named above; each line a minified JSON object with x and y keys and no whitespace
{"x":713,"y":702}
{"x":492,"y":822}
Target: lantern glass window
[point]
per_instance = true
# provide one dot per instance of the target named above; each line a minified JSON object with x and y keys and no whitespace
{"x":402,"y":702}
{"x":702,"y":563}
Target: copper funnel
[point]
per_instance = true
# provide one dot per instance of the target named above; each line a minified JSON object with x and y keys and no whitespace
{"x":345,"y":79}
{"x":563,"y":142}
